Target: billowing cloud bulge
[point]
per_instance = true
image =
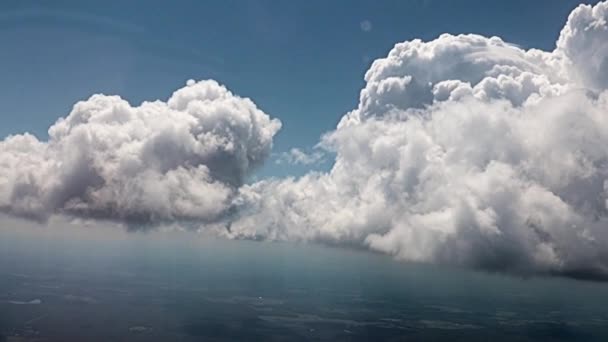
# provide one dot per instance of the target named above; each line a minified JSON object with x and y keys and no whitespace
{"x":464,"y":150}
{"x":468,"y":151}
{"x":183,"y":159}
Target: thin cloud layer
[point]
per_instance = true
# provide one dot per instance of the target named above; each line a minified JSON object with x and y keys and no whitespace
{"x":177,"y":160}
{"x":296,"y":156}
{"x":467,"y":151}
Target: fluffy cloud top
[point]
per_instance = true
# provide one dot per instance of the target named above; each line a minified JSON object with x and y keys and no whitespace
{"x":464,"y":150}
{"x":177,"y":160}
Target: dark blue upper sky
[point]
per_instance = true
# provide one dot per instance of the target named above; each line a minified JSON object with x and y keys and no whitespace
{"x":302,"y":62}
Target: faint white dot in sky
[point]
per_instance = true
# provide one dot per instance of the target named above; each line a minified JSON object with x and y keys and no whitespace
{"x":366,"y":25}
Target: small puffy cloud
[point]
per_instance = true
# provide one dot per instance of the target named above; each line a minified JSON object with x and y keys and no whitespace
{"x":182,"y":159}
{"x":296,"y":156}
{"x":464,"y":150}
{"x":366,"y":25}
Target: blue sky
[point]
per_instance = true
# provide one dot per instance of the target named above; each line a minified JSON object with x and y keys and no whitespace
{"x":302,"y":62}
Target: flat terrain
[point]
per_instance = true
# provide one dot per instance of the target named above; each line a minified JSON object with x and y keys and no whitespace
{"x":178,"y":290}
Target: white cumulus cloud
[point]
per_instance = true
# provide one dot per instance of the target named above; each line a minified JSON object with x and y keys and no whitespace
{"x":464,"y":150}
{"x":177,"y":160}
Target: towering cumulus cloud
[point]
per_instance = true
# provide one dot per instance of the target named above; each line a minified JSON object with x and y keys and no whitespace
{"x":183,"y":159}
{"x":464,"y":150}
